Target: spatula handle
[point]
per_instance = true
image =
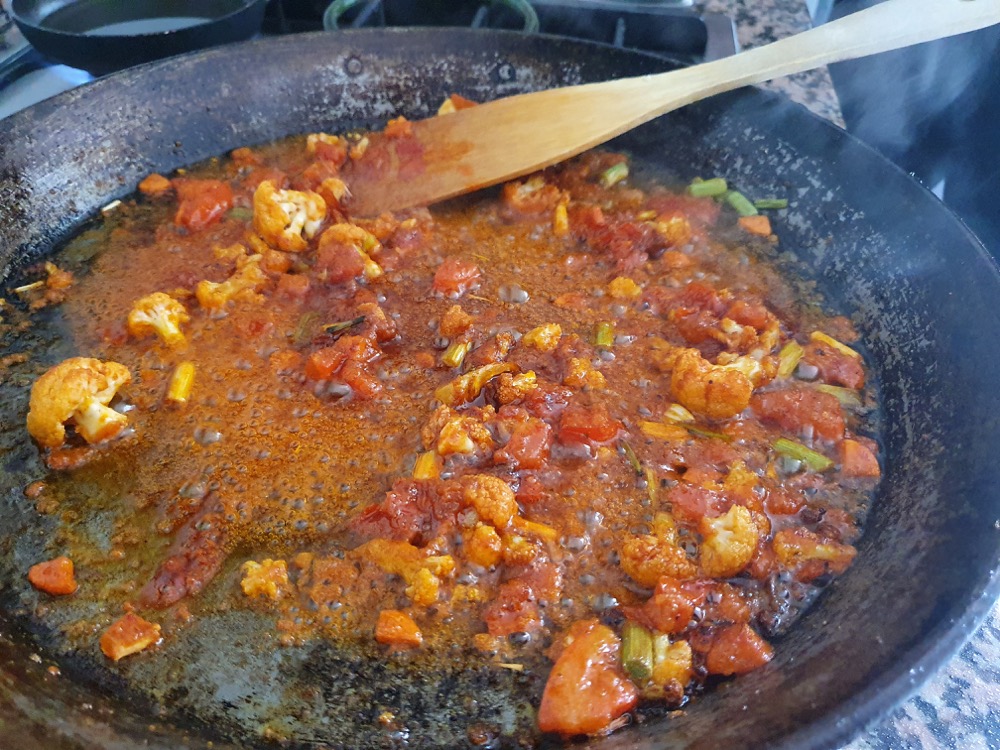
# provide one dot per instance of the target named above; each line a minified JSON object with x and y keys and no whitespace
{"x":886,"y":26}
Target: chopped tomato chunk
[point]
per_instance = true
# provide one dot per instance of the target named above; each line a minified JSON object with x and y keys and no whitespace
{"x":581,"y":424}
{"x":587,"y":688}
{"x":202,"y":202}
{"x":397,"y":629}
{"x":737,"y":649}
{"x":53,"y":576}
{"x":456,"y":276}
{"x":802,"y":410}
{"x":129,"y":635}
{"x":835,"y":367}
{"x":857,"y":460}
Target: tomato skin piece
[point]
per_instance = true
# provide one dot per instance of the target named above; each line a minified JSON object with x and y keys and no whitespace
{"x":587,"y":688}
{"x":202,"y":202}
{"x":54,"y":576}
{"x":737,"y":649}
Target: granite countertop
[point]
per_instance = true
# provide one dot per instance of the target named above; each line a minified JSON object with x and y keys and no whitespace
{"x":959,"y":707}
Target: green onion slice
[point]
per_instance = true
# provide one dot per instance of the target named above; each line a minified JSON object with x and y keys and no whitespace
{"x":708,"y":188}
{"x":812,"y":459}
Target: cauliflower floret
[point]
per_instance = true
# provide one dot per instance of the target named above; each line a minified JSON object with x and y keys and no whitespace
{"x":729,"y":542}
{"x":352,"y":236}
{"x":287,"y":219}
{"x":581,"y":372}
{"x":649,"y":557}
{"x":715,"y":391}
{"x":545,"y":338}
{"x":246,"y":281}
{"x":268,"y":578}
{"x":492,"y":498}
{"x":159,"y":314}
{"x":421,"y":572}
{"x":77,"y":389}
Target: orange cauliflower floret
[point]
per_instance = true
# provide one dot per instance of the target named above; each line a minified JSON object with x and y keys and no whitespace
{"x":268,"y":578}
{"x":545,"y":338}
{"x":421,"y":572}
{"x":246,"y":281}
{"x":581,"y":373}
{"x":714,"y":391}
{"x":492,"y":498}
{"x":363,"y":241}
{"x":729,"y":542}
{"x":78,"y":389}
{"x":159,"y":314}
{"x":287,"y":219}
{"x":649,"y":557}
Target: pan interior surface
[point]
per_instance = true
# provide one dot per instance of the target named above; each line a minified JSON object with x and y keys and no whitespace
{"x":880,"y":248}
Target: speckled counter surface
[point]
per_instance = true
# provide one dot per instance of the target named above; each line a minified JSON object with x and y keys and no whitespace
{"x":761,"y":21}
{"x":959,"y":706}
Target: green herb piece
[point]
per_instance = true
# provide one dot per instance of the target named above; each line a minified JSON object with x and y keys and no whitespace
{"x":605,"y":335}
{"x":788,"y":358}
{"x":633,"y":459}
{"x":702,"y":432}
{"x":812,"y":459}
{"x":846,"y":396}
{"x":767,"y":204}
{"x":240,"y":213}
{"x":614,"y":174}
{"x":740,"y":203}
{"x":454,"y":355}
{"x":708,"y":188}
{"x":343,"y":325}
{"x":637,"y":651}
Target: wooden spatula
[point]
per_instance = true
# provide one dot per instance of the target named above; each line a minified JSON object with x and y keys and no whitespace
{"x":506,"y":138}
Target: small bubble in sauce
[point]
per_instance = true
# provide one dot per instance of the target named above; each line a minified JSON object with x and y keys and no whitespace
{"x":513,"y":294}
{"x":206,"y":436}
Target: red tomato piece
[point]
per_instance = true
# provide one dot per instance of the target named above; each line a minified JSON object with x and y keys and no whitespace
{"x":802,"y":410}
{"x":835,"y":367}
{"x":413,"y":510}
{"x":201,"y":202}
{"x":737,"y":649}
{"x":690,"y":503}
{"x":528,"y":446}
{"x":582,"y":424}
{"x":857,"y":460}
{"x":456,"y":276}
{"x":587,"y":688}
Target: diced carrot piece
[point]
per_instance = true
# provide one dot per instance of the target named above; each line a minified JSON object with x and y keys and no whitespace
{"x":129,"y":635}
{"x":737,"y":649}
{"x":397,"y":629}
{"x":759,"y":224}
{"x":53,"y":576}
{"x":856,"y":460}
{"x":587,"y":688}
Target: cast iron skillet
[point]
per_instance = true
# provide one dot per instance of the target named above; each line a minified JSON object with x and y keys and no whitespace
{"x":921,"y":289}
{"x":135,"y":32}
